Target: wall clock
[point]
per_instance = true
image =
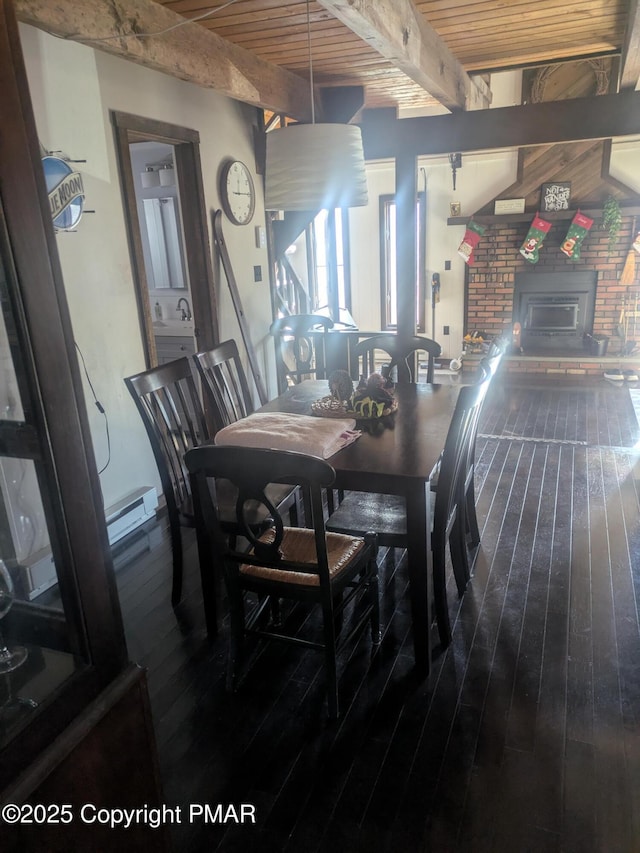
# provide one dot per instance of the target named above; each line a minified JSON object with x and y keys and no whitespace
{"x":237,"y":192}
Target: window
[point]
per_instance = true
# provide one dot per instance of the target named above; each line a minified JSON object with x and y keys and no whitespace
{"x":321,"y":256}
{"x":331,"y":269}
{"x":388,"y":290}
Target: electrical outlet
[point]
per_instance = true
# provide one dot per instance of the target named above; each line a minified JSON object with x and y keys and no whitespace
{"x":445,"y":330}
{"x":257,"y":273}
{"x":447,"y":265}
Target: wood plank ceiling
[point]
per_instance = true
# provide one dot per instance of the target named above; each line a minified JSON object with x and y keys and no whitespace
{"x":484,"y":36}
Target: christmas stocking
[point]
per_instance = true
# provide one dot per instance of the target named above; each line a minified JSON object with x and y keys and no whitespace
{"x":533,"y":241}
{"x":575,"y":235}
{"x":471,"y":239}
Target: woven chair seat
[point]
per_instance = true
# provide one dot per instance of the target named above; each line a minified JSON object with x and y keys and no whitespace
{"x":298,"y":546}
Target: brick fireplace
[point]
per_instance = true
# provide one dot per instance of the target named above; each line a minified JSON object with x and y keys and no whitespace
{"x":492,"y":278}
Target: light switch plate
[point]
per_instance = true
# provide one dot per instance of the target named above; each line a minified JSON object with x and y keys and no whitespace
{"x":261,"y":237}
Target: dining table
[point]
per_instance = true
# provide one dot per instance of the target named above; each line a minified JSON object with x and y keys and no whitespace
{"x":396,"y":455}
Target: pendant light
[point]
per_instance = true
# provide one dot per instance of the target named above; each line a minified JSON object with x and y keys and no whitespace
{"x":315,"y":166}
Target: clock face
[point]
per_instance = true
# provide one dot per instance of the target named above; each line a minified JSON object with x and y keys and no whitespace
{"x":238,"y":194}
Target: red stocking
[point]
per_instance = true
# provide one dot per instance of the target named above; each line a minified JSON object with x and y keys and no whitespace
{"x":471,"y":239}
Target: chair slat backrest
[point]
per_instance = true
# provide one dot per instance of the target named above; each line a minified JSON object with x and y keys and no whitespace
{"x":251,"y":471}
{"x":399,"y":351}
{"x":487,"y":370}
{"x":300,"y":344}
{"x":168,"y":402}
{"x":451,"y":477}
{"x":225,"y":383}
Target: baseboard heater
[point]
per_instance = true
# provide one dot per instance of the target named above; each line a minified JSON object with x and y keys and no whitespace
{"x":130,"y":512}
{"x":38,"y":572}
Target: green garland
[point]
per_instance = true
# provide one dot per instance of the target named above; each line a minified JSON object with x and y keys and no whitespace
{"x":611,"y":221}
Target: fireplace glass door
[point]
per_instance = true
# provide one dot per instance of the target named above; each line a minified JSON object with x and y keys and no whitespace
{"x":552,"y":316}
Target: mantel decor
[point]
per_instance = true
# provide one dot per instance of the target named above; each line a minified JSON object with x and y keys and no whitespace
{"x":611,"y":221}
{"x":508,"y":205}
{"x":555,"y":196}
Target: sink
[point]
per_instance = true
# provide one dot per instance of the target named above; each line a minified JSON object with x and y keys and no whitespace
{"x":178,"y":328}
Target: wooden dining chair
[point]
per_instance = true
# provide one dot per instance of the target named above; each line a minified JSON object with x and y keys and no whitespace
{"x":224,"y":380}
{"x":300,"y":565}
{"x":168,"y":403}
{"x":225,"y":383}
{"x":300,"y":345}
{"x":487,"y":370}
{"x":386,"y":514}
{"x":395,"y":351}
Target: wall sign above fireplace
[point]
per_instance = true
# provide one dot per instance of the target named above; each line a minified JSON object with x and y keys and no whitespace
{"x":555,"y":196}
{"x":508,"y":205}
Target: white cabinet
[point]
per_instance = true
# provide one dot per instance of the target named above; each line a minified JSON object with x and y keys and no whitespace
{"x":169,"y":348}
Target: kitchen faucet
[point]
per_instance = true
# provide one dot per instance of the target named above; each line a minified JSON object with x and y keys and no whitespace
{"x":186,"y":313}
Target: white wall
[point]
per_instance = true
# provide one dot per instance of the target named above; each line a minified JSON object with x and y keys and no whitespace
{"x":625,"y":162}
{"x":481,"y":177}
{"x":73,"y":88}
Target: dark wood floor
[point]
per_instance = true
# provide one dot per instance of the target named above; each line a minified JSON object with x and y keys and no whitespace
{"x":527,"y":735}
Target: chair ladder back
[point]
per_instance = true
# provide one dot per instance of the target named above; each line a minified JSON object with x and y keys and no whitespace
{"x":168,"y":402}
{"x":399,"y":352}
{"x":450,"y":491}
{"x":225,"y":382}
{"x":251,"y":471}
{"x":300,"y":347}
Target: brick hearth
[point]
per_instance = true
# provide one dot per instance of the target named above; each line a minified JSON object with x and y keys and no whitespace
{"x":559,"y":366}
{"x":490,"y":288}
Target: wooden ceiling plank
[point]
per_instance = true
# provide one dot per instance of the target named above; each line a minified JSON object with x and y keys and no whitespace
{"x":398,"y":32}
{"x":440,"y":13}
{"x":530,"y":17}
{"x":630,"y":71}
{"x":189,"y":52}
{"x":507,"y":60}
{"x":550,"y":41}
{"x":244,"y":10}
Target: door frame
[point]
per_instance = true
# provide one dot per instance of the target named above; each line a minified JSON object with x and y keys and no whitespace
{"x":186,"y":142}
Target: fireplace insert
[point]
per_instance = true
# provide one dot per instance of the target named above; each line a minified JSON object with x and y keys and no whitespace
{"x":552,"y":315}
{"x":555,"y":310}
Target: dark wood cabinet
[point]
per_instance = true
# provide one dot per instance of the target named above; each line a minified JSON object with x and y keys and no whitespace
{"x":75,"y":725}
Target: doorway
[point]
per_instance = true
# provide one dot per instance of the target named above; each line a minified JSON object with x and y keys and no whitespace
{"x":168,"y":237}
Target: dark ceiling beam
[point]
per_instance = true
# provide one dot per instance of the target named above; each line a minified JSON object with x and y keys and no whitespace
{"x":400,"y":33}
{"x":341,"y":104}
{"x":630,"y":65}
{"x":601,"y":117}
